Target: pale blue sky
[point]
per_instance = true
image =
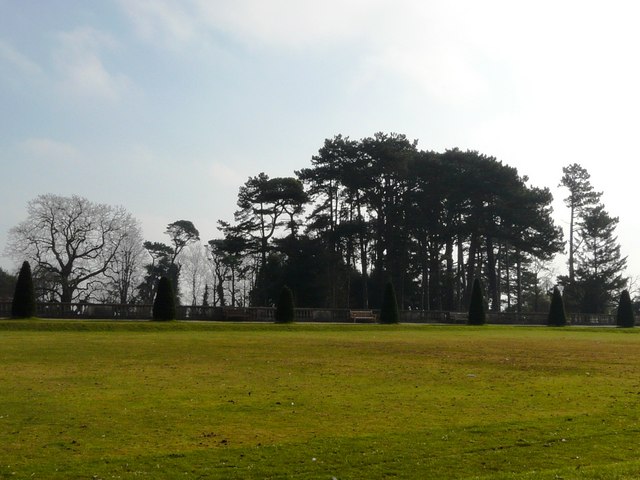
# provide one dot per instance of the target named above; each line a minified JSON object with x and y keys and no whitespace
{"x":166,"y":107}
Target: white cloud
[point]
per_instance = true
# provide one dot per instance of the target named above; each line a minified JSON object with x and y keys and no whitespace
{"x":81,"y":68}
{"x":53,"y":151}
{"x":428,"y":45}
{"x":256,"y":23}
{"x":17,"y":60}
{"x":446,"y":76}
{"x":159,"y":20}
{"x":290,"y":24}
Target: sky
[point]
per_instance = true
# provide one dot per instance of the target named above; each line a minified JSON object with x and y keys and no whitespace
{"x":167,"y":107}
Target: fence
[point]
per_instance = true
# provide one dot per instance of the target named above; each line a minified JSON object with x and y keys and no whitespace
{"x":266,"y":314}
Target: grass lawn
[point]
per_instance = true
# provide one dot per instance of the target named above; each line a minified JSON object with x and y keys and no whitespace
{"x":202,"y":400}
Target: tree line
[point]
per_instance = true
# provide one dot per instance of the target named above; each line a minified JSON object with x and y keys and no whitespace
{"x":364,"y":213}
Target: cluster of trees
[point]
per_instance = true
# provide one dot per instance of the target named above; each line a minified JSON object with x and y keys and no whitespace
{"x":364,"y":213}
{"x":23,"y":303}
{"x":381,"y":210}
{"x":165,"y":259}
{"x":7,"y":285}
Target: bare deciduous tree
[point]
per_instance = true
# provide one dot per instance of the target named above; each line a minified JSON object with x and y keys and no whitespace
{"x":126,"y":270}
{"x":195,"y":272}
{"x":70,"y":240}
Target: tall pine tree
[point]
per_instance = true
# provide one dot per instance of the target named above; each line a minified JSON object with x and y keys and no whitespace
{"x":599,"y":274}
{"x":581,"y":196}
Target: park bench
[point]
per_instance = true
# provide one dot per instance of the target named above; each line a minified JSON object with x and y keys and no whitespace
{"x":235,"y":313}
{"x":367,"y":316}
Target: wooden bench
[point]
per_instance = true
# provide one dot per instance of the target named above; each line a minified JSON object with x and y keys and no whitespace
{"x":235,"y":313}
{"x":367,"y":316}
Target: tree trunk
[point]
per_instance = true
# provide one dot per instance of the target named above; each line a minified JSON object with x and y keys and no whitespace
{"x":571,"y":247}
{"x":492,"y":277}
{"x":536,"y":292}
{"x":424,"y":287}
{"x":507,"y":276}
{"x":434,"y":277}
{"x":233,"y":287}
{"x":448,"y":300}
{"x":471,"y":266}
{"x":519,"y":281}
{"x":363,"y":257}
{"x":66,"y":294}
{"x":460,"y":277}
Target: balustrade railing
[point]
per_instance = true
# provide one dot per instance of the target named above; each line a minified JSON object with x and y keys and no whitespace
{"x":267,"y":314}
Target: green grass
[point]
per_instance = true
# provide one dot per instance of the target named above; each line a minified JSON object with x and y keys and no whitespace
{"x":237,"y":401}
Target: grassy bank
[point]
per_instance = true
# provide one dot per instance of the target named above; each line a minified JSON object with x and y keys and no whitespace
{"x":202,"y":400}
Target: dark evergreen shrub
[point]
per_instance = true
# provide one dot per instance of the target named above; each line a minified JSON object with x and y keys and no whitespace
{"x":164,"y":307}
{"x":24,"y":302}
{"x":205,"y":296}
{"x":389,"y":310}
{"x":284,"y":307}
{"x":625,"y":317}
{"x":557,"y":316}
{"x":477,"y":315}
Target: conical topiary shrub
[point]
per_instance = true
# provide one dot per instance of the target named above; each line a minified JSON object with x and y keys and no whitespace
{"x":557,"y":316}
{"x":625,"y":317}
{"x":24,"y":301}
{"x":477,"y":315}
{"x":389,"y":310}
{"x":164,"y":307}
{"x":284,"y":307}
